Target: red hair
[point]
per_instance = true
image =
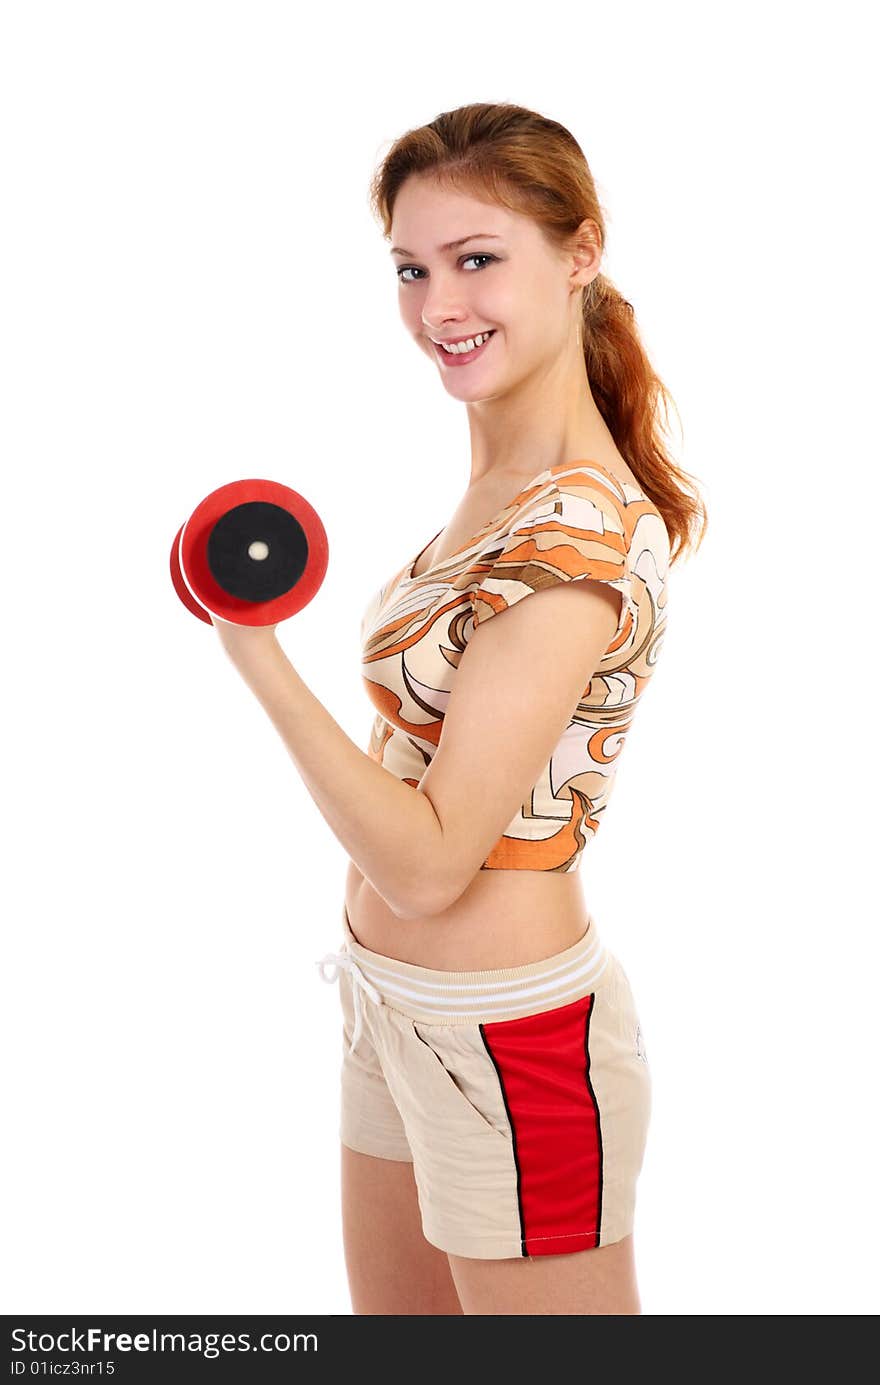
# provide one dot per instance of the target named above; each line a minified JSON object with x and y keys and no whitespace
{"x":532,"y":165}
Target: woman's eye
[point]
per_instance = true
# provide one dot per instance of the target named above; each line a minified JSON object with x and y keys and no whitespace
{"x":413,"y":269}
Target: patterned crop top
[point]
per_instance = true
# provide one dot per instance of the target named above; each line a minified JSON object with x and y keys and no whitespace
{"x":572,"y":521}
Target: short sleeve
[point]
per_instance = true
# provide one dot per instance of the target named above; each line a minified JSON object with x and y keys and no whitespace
{"x":570,"y":536}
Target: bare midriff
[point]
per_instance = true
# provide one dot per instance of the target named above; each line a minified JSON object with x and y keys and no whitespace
{"x":505,"y":918}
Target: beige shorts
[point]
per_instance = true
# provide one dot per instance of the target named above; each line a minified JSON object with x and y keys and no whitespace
{"x":521,"y":1096}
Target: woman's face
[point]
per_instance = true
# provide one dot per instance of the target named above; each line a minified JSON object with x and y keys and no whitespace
{"x":506,"y":279}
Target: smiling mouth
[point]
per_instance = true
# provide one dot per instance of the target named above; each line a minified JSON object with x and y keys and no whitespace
{"x":454,"y":357}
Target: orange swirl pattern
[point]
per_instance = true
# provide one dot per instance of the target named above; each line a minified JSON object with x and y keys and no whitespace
{"x":573,"y":521}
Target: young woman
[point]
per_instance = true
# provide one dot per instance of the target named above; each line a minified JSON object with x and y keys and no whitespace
{"x":495,"y":1088}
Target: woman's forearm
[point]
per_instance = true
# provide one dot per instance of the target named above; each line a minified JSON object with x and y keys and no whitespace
{"x":388,"y":828}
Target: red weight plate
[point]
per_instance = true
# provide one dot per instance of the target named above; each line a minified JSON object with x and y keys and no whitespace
{"x":197,"y":574}
{"x":180,"y":586}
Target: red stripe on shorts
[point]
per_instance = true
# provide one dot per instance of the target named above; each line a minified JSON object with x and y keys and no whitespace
{"x":543,"y":1064}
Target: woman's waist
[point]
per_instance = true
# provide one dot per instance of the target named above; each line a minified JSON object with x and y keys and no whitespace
{"x":505,"y":918}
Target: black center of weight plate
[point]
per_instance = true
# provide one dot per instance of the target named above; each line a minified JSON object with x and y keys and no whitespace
{"x":257,"y":551}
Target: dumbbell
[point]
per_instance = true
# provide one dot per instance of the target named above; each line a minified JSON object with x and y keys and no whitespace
{"x":253,"y":552}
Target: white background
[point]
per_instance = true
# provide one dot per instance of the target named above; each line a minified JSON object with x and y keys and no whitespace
{"x":194,"y":291}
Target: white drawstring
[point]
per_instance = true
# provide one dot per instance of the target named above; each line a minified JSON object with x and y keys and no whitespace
{"x":343,"y":961}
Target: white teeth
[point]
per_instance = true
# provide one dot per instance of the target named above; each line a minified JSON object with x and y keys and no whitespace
{"x":458,"y":348}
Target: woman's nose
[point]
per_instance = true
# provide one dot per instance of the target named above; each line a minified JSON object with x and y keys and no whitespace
{"x":442,"y":306}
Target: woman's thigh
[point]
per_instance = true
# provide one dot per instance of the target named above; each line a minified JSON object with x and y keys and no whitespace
{"x":600,"y":1280}
{"x":391,"y":1268}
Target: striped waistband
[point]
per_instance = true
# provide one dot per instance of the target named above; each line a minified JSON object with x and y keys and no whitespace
{"x":462,"y":997}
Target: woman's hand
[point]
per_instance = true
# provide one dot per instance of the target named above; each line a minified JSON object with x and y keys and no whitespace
{"x":244,"y":641}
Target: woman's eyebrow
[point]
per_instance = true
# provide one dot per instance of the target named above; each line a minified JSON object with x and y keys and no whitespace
{"x":450,"y":244}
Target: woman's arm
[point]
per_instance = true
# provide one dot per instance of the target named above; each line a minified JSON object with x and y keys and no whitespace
{"x":388,"y":828}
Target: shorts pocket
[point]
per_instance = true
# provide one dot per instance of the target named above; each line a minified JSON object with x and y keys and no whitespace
{"x":467,"y":1074}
